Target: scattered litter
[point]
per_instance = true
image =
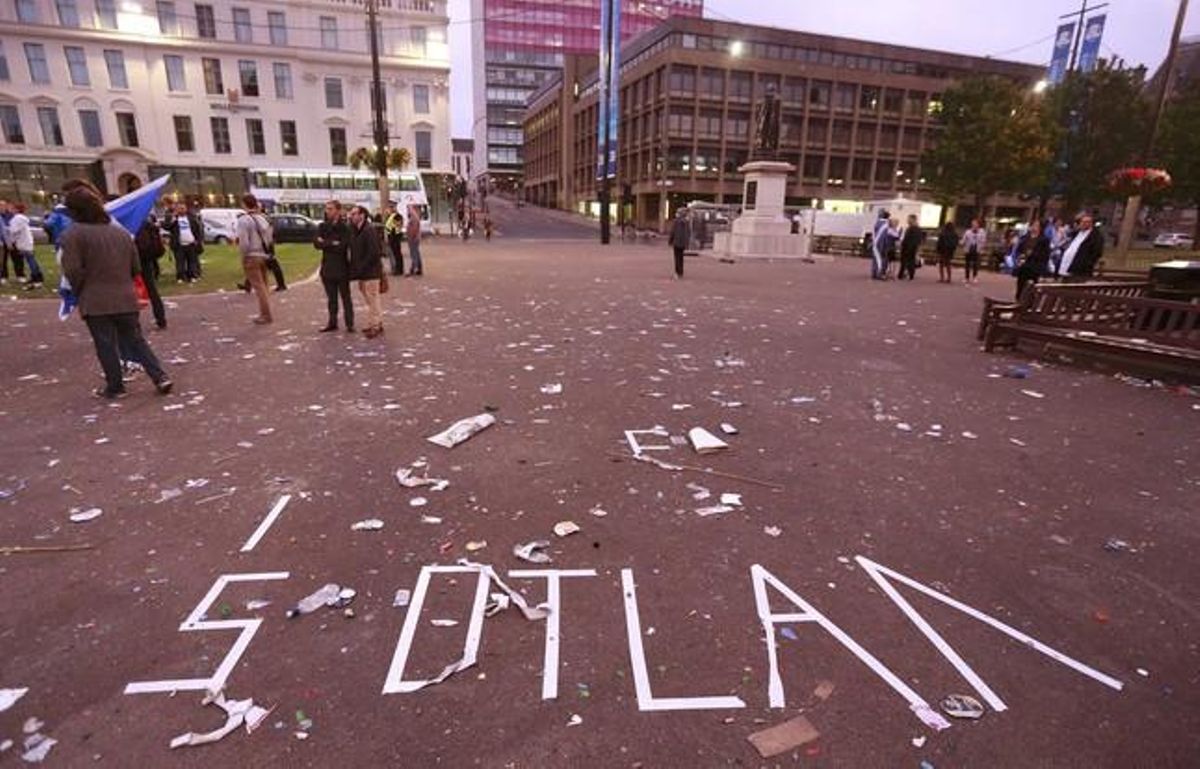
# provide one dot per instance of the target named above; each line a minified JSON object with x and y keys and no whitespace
{"x":576,"y":720}
{"x":772,"y":531}
{"x":430,"y":519}
{"x":800,"y":400}
{"x":704,"y":512}
{"x":1114,"y":545}
{"x":566,"y":528}
{"x":930,"y":717}
{"x":904,"y":426}
{"x":9,"y":697}
{"x":418,"y":502}
{"x":962,"y":706}
{"x":1016,"y":442}
{"x":552,"y":389}
{"x":705,"y":442}
{"x":86,"y":515}
{"x":237,"y":713}
{"x":32,"y":724}
{"x":443,"y":622}
{"x":531,"y":551}
{"x":326,"y":596}
{"x":165,"y":495}
{"x":680,"y":406}
{"x":37,"y":747}
{"x":599,"y":512}
{"x":402,"y":598}
{"x":1059,"y":539}
{"x":257,"y":604}
{"x":1033,"y":394}
{"x":824,"y":690}
{"x":733,"y":500}
{"x":728,"y":429}
{"x":370,"y":524}
{"x":406,"y":477}
{"x":1017,"y":372}
{"x":475,"y":546}
{"x":699,"y":493}
{"x":1143,"y":672}
{"x":462,"y":430}
{"x":782,"y":738}
{"x":918,"y":742}
{"x":969,"y":435}
{"x":789,"y":634}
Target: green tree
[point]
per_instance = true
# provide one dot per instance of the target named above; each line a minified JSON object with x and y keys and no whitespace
{"x":1102,"y":120}
{"x":992,"y":138}
{"x":1179,"y":149}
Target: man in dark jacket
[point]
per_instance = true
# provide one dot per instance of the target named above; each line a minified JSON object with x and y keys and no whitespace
{"x":333,"y":238}
{"x":1083,"y":254}
{"x":679,"y":240}
{"x":187,"y":243}
{"x":910,"y":245}
{"x":150,"y":249}
{"x":366,"y":267}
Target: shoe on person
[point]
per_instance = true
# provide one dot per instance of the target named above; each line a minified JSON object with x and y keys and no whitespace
{"x":280,"y":288}
{"x":349,"y":329}
{"x":111,"y":395}
{"x":161,"y":325}
{"x":164,"y":385}
{"x":260,"y":321}
{"x":330,"y":327}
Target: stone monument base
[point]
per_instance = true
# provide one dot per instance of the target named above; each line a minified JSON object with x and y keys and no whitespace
{"x":762,"y":231}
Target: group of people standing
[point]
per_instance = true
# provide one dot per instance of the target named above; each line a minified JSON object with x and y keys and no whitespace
{"x":888,"y":238}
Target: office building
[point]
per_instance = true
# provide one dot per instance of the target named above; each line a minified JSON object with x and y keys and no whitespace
{"x":517,"y":46}
{"x":225,"y":97}
{"x":856,"y":118}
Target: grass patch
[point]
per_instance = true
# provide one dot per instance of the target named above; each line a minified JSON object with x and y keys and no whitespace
{"x":221,"y":266}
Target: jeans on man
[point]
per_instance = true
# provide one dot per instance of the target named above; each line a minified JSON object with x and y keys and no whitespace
{"x":113,"y":333}
{"x":35,"y":272}
{"x":10,"y":252}
{"x":335,"y":289}
{"x":414,"y":256}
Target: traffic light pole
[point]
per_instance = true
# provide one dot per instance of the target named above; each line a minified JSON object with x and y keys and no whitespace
{"x":377,"y":107}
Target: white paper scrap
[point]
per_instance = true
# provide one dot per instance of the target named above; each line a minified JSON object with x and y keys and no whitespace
{"x":704,"y":442}
{"x":462,"y":430}
{"x":9,"y":697}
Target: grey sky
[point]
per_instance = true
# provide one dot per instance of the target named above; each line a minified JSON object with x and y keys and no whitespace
{"x":1137,"y":30}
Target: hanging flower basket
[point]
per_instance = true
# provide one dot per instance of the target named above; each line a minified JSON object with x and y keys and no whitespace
{"x":1127,"y":182}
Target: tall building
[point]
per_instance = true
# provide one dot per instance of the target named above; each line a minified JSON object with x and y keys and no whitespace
{"x":517,"y":46}
{"x":856,"y":118}
{"x":261,"y":94}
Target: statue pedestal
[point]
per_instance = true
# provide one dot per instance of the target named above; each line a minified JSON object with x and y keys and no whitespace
{"x":762,"y":231}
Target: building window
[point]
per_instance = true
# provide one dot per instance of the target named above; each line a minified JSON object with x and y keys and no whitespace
{"x":115,"y":62}
{"x":4,"y":73}
{"x":337,"y":146}
{"x":277,"y":26}
{"x":242,"y":31}
{"x":106,"y":14}
{"x":418,"y":38}
{"x":819,"y":94}
{"x":333,"y":93}
{"x":127,"y":129}
{"x":185,"y":138}
{"x":35,"y":57}
{"x":214,"y":82}
{"x":740,"y":86}
{"x":682,"y":81}
{"x":423,"y":141}
{"x":248,"y":75}
{"x":77,"y":66}
{"x":255,"y":139}
{"x":27,"y":11}
{"x":52,"y":135}
{"x":220,"y":135}
{"x":892,"y":99}
{"x":10,"y":124}
{"x":168,"y":20}
{"x":421,"y":99}
{"x":206,"y":21}
{"x":68,"y":12}
{"x":869,"y":98}
{"x":283,"y":80}
{"x":176,"y":82}
{"x":89,"y":123}
{"x":287,"y":138}
{"x":329,"y":34}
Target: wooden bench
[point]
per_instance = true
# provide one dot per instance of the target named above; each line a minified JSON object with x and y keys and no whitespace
{"x":995,"y":310}
{"x":1111,"y":327}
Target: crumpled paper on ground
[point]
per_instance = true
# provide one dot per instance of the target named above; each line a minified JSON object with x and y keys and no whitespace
{"x":462,"y":430}
{"x":238,"y":713}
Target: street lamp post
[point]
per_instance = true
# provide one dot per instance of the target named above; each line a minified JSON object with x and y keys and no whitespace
{"x":377,"y":107}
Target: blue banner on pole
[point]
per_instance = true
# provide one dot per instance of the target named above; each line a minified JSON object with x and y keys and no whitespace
{"x":614,"y":90}
{"x":602,"y":103}
{"x":1062,"y":54}
{"x":1089,"y":53}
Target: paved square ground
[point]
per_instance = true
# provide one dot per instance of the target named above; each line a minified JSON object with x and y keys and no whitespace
{"x":870,"y":422}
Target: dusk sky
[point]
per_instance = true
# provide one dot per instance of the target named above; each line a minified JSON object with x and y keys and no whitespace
{"x":1023,"y":30}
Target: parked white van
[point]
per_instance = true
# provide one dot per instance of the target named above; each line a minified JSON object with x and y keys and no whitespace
{"x":220,"y":224}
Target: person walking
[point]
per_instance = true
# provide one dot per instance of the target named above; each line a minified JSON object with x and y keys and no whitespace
{"x":150,"y":249}
{"x":254,"y":241}
{"x":412,"y":231}
{"x":678,"y":240}
{"x":366,"y":267}
{"x":973,"y":241}
{"x":393,"y":233}
{"x":878,"y":266}
{"x":100,"y":261}
{"x":910,"y":246}
{"x":1037,"y":261}
{"x":947,"y":244}
{"x":333,"y":238}
{"x":21,"y":236}
{"x":186,"y":233}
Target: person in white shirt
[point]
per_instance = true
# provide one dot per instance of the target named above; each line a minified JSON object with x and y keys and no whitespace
{"x":974,"y":241}
{"x":187,"y":243}
{"x":21,"y":236}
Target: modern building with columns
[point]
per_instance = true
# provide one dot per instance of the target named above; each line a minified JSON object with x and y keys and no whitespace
{"x":224,"y":96}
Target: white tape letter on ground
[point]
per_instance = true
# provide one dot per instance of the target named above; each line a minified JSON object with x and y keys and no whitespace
{"x":637,"y":659}
{"x":877,"y":572}
{"x":194,"y":622}
{"x":760,"y":577}
{"x":553,"y":622}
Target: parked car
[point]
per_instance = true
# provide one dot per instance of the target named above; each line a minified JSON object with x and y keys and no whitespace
{"x":217,"y":232}
{"x":293,"y":228}
{"x":1175,"y":240}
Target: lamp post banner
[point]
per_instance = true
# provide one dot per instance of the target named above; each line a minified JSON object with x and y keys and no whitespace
{"x":1089,"y":54}
{"x":1062,"y":53}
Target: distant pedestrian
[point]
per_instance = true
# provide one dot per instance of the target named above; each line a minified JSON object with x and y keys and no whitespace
{"x":878,"y":266}
{"x":393,"y":233}
{"x":974,"y":241}
{"x":412,"y":231}
{"x":1037,"y":259}
{"x":1083,"y":254}
{"x":947,"y":244}
{"x":100,"y":261}
{"x":8,"y":249}
{"x":889,"y":238}
{"x":21,"y":236}
{"x":910,"y":247}
{"x":150,"y":249}
{"x":333,"y":238}
{"x":678,"y":240}
{"x":256,"y":244}
{"x":186,"y":233}
{"x":366,"y":267}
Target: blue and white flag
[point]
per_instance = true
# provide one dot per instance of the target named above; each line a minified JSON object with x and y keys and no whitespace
{"x":130,"y":211}
{"x":1089,"y":53}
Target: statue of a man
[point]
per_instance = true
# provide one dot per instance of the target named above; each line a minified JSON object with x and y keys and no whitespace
{"x":766,"y":127}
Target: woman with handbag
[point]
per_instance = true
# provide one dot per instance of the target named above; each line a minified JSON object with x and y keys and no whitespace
{"x":366,"y":267}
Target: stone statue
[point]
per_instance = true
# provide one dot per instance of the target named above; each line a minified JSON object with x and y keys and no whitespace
{"x":766,"y":127}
